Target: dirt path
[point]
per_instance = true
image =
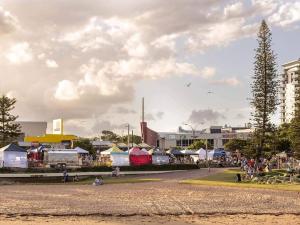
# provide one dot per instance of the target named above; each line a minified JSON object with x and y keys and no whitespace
{"x":154,"y":198}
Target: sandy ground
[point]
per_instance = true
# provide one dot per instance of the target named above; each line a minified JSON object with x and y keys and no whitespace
{"x":165,"y":202}
{"x":156,"y":220}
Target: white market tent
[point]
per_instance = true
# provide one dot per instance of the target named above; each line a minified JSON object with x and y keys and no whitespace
{"x":13,"y":156}
{"x":159,"y":157}
{"x":81,"y":151}
{"x":188,"y":152}
{"x":202,"y":154}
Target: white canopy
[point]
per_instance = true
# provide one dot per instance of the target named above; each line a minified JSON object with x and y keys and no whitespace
{"x":13,"y":156}
{"x":202,"y":154}
{"x":81,"y":151}
{"x":188,"y":152}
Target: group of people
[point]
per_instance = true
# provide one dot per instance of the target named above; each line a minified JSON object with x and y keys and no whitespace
{"x":98,"y":180}
{"x":253,"y":167}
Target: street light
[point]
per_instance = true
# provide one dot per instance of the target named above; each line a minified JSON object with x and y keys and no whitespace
{"x":193,"y":130}
{"x":206,"y":145}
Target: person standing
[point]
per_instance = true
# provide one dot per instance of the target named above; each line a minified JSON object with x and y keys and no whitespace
{"x":65,"y":175}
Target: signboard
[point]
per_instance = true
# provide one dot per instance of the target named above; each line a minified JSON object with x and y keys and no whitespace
{"x":58,"y":127}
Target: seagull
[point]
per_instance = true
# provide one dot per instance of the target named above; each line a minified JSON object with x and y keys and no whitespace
{"x":189,"y":84}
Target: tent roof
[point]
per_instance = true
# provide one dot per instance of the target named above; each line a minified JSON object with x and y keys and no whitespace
{"x":121,"y":145}
{"x":175,"y":152}
{"x":144,"y":145}
{"x":156,"y":151}
{"x":137,"y":151}
{"x":188,"y":152}
{"x":113,"y":149}
{"x":12,"y":148}
{"x":81,"y":150}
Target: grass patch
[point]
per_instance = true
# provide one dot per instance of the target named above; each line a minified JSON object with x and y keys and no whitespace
{"x":227,"y":178}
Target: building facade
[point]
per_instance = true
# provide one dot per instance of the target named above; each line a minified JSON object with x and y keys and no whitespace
{"x":216,"y":136}
{"x":288,"y":84}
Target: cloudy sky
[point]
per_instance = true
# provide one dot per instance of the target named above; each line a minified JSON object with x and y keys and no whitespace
{"x":91,"y":62}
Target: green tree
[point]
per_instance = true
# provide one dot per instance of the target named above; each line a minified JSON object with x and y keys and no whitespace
{"x":9,"y":130}
{"x":200,"y":144}
{"x":110,"y":136}
{"x":264,"y":86}
{"x":135,"y":139}
{"x":283,"y":138}
{"x":84,"y":143}
{"x":295,"y":124}
{"x":235,"y":144}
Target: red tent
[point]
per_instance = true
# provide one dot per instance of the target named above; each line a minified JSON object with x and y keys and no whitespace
{"x":139,"y":157}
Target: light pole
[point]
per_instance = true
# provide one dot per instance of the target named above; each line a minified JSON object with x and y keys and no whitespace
{"x":206,"y":150}
{"x":193,"y":130}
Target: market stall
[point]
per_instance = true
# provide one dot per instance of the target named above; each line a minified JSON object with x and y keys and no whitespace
{"x":13,"y":156}
{"x":159,"y":157}
{"x":176,"y":156}
{"x":139,"y":157}
{"x":216,"y":154}
{"x":114,"y":157}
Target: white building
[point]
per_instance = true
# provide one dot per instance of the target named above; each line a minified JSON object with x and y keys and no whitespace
{"x":291,"y":71}
{"x":216,"y":136}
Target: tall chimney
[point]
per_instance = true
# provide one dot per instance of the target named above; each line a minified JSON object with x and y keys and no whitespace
{"x":143,"y":110}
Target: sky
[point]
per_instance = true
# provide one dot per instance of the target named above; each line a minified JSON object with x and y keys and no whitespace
{"x":91,"y":62}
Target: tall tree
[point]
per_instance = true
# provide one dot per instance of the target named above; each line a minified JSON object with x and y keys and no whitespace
{"x":85,"y":144}
{"x":109,"y":136}
{"x":9,"y":130}
{"x":264,"y":86}
{"x":235,"y":144}
{"x":295,"y":123}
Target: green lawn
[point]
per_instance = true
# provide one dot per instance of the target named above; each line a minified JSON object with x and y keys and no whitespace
{"x":227,"y":178}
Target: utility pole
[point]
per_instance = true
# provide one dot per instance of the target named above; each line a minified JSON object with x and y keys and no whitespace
{"x":128,"y":127}
{"x":132,"y":138}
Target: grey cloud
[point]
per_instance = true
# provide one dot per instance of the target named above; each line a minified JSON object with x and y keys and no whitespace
{"x":160,"y":115}
{"x":123,"y":110}
{"x":149,"y":117}
{"x":204,"y":116}
{"x":154,"y":116}
{"x":8,"y":22}
{"x":240,"y":116}
{"x":101,"y":125}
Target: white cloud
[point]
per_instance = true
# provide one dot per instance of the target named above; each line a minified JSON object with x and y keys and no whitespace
{"x":208,"y":72}
{"x":66,"y":91}
{"x":107,"y":48}
{"x":19,"y":53}
{"x":135,"y":47}
{"x":233,"y":81}
{"x":236,"y":9}
{"x":265,"y":7}
{"x":287,"y":14}
{"x":51,"y":63}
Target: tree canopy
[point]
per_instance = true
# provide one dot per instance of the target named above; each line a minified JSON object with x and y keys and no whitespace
{"x":9,"y":130}
{"x":264,"y":86}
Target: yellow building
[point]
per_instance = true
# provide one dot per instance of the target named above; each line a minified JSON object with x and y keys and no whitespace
{"x":51,"y":138}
